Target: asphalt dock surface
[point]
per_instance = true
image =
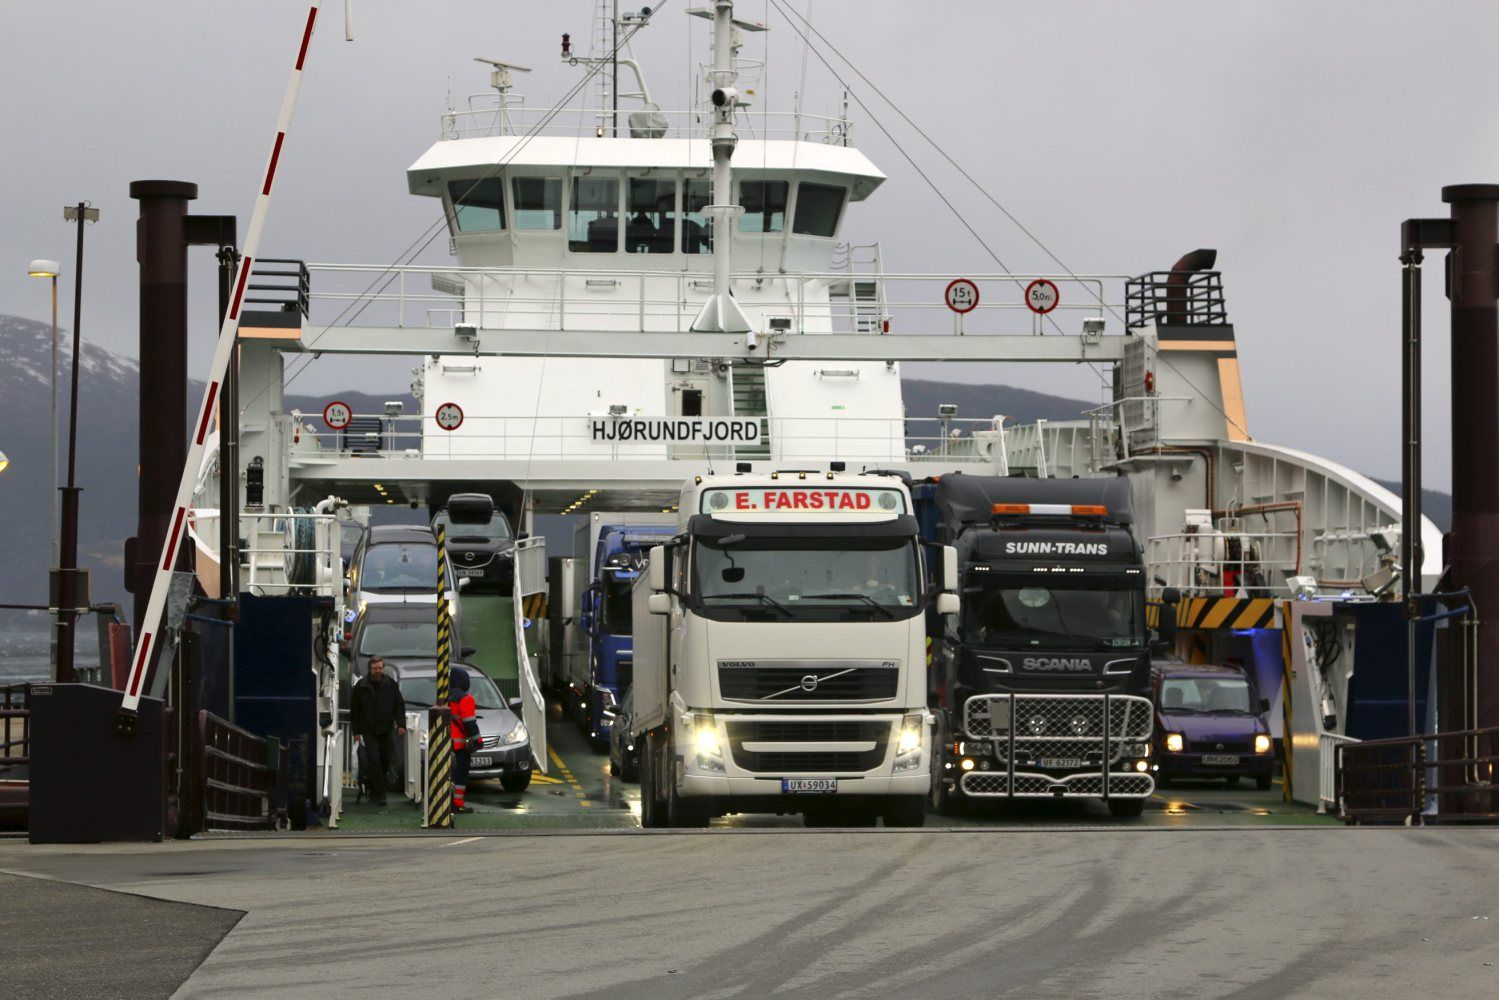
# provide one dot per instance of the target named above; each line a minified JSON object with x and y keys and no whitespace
{"x":1064,"y":912}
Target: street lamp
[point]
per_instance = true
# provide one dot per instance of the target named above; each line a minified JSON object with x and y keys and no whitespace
{"x":42,"y":268}
{"x":4,"y":462}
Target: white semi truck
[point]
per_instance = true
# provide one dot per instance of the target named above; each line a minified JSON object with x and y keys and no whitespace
{"x":780,"y":652}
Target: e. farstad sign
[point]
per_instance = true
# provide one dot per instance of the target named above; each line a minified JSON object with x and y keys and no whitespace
{"x":675,"y":430}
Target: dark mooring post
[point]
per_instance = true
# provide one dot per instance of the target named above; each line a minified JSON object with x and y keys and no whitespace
{"x":161,"y":252}
{"x":1474,"y":547}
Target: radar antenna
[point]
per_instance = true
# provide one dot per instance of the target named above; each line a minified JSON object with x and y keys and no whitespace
{"x":499,"y":79}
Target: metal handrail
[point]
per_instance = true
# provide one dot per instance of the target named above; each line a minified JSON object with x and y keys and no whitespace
{"x":1327,"y":770}
{"x":515,"y":120}
{"x":1192,"y":563}
{"x":868,"y":439}
{"x":665,"y":299}
{"x":1408,"y":778}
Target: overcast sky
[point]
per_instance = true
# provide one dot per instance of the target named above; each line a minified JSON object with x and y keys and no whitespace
{"x":1292,"y":136}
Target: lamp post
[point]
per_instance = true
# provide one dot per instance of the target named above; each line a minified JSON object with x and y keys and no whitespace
{"x":42,"y":268}
{"x":68,"y":563}
{"x":4,"y":462}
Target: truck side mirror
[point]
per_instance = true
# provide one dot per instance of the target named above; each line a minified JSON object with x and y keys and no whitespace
{"x":949,"y":568}
{"x":1264,"y":704}
{"x":948,"y":604}
{"x":657,"y":570}
{"x":659,"y":604}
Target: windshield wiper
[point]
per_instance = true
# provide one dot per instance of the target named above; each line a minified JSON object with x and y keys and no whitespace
{"x":766,"y":598}
{"x":862,"y":597}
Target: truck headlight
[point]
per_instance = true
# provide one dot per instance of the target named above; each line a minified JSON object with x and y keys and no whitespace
{"x":910,"y":735}
{"x":1261,"y":743}
{"x":516,"y":735}
{"x":705,"y":737}
{"x":709,"y":752}
{"x":1174,"y":742}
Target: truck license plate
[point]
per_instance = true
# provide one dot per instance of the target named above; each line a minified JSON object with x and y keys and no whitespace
{"x":1220,"y":759}
{"x":825,"y":786}
{"x":480,"y":761}
{"x":1061,"y":762}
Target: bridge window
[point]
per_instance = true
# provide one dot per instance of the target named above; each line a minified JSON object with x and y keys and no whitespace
{"x":817,"y":208}
{"x":764,"y":206}
{"x":593,"y":223}
{"x":697,"y":229}
{"x":478,"y":205}
{"x":538,"y":202}
{"x":653,"y":215}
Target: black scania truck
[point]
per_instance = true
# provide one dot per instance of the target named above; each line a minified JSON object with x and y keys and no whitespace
{"x":1040,"y":686}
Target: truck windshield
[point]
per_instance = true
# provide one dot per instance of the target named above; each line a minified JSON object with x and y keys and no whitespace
{"x":618,"y":613}
{"x":1229,"y":695}
{"x":787,"y":574}
{"x":1048,"y":616}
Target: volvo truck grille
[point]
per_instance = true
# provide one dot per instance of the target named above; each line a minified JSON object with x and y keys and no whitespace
{"x":808,"y":682}
{"x":796,"y":756}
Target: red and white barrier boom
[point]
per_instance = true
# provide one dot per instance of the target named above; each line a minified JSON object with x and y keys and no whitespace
{"x":150,"y":637}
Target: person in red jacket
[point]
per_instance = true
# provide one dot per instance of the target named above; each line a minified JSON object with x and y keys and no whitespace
{"x":465,"y":730}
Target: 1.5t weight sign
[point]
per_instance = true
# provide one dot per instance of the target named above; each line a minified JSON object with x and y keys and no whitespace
{"x":1041,"y":296}
{"x":337,"y":415}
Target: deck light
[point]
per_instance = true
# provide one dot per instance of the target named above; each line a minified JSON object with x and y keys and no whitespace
{"x":43,"y":269}
{"x":4,"y":462}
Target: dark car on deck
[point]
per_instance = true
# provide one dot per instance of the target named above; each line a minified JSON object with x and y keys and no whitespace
{"x":1210,"y":723}
{"x":481,"y":546}
{"x":397,"y":632}
{"x":504,"y":750}
{"x":624,"y":752}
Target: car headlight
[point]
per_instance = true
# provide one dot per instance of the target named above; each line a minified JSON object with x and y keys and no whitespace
{"x":1174,"y":742}
{"x":1261,"y":743}
{"x":516,"y":735}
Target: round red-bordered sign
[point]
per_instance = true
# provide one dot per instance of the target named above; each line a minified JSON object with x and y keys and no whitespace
{"x":962,"y":295}
{"x":337,"y":414}
{"x":449,"y":416}
{"x":1042,"y":296}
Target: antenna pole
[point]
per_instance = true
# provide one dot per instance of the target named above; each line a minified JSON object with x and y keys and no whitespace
{"x":148,"y":642}
{"x":721,"y":314}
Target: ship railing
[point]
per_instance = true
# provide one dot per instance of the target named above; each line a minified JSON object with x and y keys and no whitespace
{"x":15,"y":725}
{"x":1223,"y":564}
{"x":517,"y":122}
{"x":285,"y":552}
{"x":661,"y":300}
{"x":926,"y":440}
{"x":1327,"y":771}
{"x":1444,"y":777}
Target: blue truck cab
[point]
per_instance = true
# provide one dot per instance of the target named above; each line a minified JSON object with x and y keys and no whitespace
{"x":617,"y":559}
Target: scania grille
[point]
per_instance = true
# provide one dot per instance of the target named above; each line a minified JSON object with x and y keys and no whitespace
{"x":982,"y":784}
{"x":1046,"y":725}
{"x":794,"y":684}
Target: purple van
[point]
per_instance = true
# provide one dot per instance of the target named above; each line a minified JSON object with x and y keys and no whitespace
{"x":1210,"y":723}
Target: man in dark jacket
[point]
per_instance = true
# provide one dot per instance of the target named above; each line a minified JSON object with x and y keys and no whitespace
{"x":376,"y":708}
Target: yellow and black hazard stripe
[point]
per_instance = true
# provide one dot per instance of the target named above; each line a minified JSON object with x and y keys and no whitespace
{"x":534,"y":606}
{"x":1218,"y":612}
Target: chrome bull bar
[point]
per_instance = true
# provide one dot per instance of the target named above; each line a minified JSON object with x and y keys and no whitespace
{"x":1094,"y":734}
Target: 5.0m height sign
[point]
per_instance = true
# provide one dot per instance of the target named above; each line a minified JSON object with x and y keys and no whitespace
{"x":1042,"y":296}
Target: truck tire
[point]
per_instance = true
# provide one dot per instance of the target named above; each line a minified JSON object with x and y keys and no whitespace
{"x":1262,"y":783}
{"x":904,"y":810}
{"x":516,"y":782}
{"x":650,"y":809}
{"x":944,"y":802}
{"x":628,"y":771}
{"x":1126,"y":808}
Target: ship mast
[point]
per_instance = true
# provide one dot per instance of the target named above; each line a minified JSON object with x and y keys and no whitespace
{"x":721,"y":314}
